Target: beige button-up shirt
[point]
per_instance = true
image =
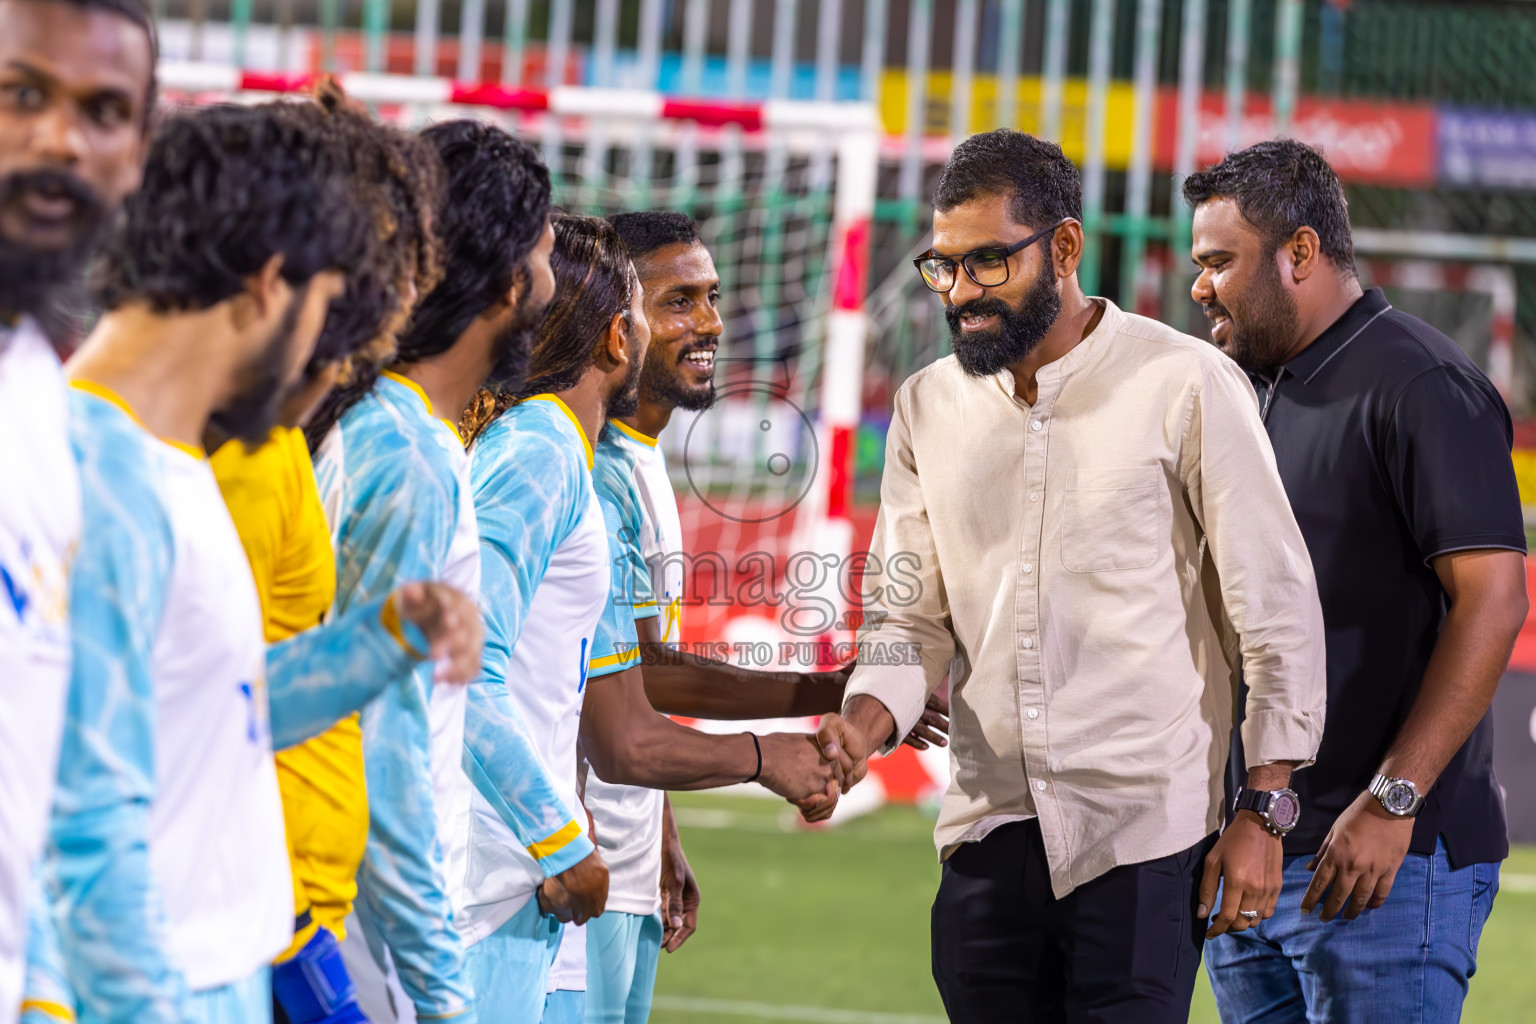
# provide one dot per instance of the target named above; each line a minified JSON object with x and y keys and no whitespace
{"x":1092,"y":571}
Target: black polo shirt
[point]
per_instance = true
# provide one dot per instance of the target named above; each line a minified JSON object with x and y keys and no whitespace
{"x":1394,"y":448}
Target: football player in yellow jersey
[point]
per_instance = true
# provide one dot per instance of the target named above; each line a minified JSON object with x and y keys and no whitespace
{"x":273,"y":499}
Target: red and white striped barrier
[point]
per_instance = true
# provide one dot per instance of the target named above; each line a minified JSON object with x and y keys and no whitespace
{"x":565,"y":101}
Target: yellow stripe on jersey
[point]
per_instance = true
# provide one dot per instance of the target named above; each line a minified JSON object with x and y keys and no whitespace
{"x":389,"y":615}
{"x":406,"y":382}
{"x":629,"y":431}
{"x":555,"y":843}
{"x":674,"y":630}
{"x":570,"y":416}
{"x":421,"y":393}
{"x":111,"y":397}
{"x":57,"y":1011}
{"x":614,"y":659}
{"x":107,"y":395}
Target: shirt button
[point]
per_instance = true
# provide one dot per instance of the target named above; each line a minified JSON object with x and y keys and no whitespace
{"x":1040,"y":785}
{"x":1034,"y":495}
{"x":1028,"y":643}
{"x":1034,"y":712}
{"x":1036,"y":425}
{"x":1029,"y":567}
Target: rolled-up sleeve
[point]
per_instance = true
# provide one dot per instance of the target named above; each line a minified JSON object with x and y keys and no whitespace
{"x":1268,"y":589}
{"x":906,"y":612}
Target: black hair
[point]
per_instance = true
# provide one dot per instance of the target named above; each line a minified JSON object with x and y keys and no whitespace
{"x":495,"y":209}
{"x":645,"y":231}
{"x":594,"y":280}
{"x":225,"y":189}
{"x":401,"y":178}
{"x":1281,"y":186}
{"x":1042,"y":186}
{"x":494,"y":204}
{"x":142,"y":16}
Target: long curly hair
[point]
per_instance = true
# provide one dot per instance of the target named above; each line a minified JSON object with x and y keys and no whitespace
{"x":594,"y":281}
{"x":402,"y":179}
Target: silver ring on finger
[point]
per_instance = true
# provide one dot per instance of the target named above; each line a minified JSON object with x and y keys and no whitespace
{"x":1252,"y":915}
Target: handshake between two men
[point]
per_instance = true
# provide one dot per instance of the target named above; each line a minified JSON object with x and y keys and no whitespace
{"x":627,"y":739}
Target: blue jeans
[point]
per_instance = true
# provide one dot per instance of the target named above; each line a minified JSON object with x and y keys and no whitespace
{"x":1407,"y":962}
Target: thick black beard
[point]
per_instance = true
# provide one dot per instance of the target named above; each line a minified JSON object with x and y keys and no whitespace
{"x":1020,"y":329}
{"x":627,"y":401}
{"x":514,"y":346}
{"x":660,"y":384}
{"x":1264,"y":326}
{"x":251,"y":415}
{"x":32,"y":280}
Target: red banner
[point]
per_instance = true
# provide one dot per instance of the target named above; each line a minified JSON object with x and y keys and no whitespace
{"x":1380,"y":143}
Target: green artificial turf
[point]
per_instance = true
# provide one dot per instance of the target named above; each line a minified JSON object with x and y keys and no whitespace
{"x":833,"y":926}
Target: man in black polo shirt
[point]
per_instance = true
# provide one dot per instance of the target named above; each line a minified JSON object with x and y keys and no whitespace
{"x":1394,"y":451}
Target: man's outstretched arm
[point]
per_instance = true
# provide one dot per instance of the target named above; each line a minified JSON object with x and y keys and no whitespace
{"x":319,"y":676}
{"x":693,"y":686}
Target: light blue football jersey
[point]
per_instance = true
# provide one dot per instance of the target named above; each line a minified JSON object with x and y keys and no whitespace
{"x":391,"y":481}
{"x":167,"y":870}
{"x":544,"y":581}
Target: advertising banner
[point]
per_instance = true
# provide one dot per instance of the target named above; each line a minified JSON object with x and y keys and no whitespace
{"x":1487,"y":148}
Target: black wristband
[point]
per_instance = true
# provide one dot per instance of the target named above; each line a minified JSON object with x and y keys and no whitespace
{"x":759,"y":748}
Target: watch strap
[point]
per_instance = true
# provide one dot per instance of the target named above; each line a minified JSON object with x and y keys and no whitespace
{"x":1378,"y":789}
{"x":1255,"y":800}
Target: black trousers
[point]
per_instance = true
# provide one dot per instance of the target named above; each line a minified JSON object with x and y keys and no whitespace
{"x":1122,"y":949}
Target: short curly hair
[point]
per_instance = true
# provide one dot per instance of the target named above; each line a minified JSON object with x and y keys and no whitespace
{"x":226,"y":188}
{"x":1041,"y":185}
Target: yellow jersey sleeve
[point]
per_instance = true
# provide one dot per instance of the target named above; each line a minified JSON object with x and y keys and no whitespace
{"x":275,"y":504}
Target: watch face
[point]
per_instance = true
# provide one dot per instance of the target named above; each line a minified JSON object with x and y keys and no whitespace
{"x":1399,"y":798}
{"x":1285,"y":812}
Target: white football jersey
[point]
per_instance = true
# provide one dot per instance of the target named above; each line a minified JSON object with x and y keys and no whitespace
{"x":569,"y":971}
{"x":39,"y":530}
{"x":450,"y":786}
{"x":661,"y":543}
{"x":216,"y":825}
{"x":628,"y":818}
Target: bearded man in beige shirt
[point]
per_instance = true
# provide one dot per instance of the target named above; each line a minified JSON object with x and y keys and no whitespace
{"x":1102,"y":542}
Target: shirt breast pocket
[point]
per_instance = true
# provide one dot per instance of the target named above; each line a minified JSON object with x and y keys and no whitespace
{"x":1112,"y":519}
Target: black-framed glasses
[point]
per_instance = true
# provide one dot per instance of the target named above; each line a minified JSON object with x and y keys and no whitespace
{"x":987,"y":267}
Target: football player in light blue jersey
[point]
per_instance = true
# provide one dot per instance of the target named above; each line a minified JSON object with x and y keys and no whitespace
{"x":167,"y":871}
{"x":77,"y":81}
{"x":394,"y":480}
{"x":544,"y":560}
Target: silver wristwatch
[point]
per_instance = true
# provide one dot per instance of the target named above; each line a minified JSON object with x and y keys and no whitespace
{"x":1398,"y":797}
{"x":1278,"y":809}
